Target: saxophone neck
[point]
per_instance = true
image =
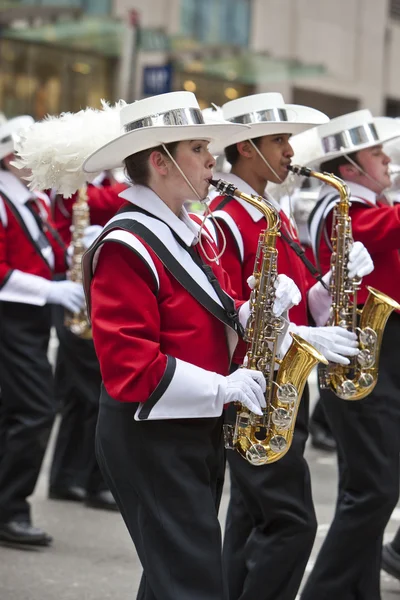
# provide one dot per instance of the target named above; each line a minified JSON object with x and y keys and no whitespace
{"x":328,"y":178}
{"x":269,"y":212}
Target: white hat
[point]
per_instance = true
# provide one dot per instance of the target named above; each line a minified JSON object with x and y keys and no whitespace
{"x":343,"y":135}
{"x":267,"y":114}
{"x":9,"y":133}
{"x":162,"y":119}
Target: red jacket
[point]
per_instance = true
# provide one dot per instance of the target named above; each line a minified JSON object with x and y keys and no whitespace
{"x":147,"y":320}
{"x":19,"y":230}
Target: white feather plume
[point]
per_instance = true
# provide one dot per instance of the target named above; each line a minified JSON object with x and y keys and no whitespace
{"x":54,"y":149}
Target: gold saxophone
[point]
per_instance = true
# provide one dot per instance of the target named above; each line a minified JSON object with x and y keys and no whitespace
{"x":356,"y":380}
{"x":78,"y":323}
{"x":265,"y":439}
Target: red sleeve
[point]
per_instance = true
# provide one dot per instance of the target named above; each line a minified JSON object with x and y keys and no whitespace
{"x":104,"y":202}
{"x":232,"y":264}
{"x":378,"y":228}
{"x":126,"y":325}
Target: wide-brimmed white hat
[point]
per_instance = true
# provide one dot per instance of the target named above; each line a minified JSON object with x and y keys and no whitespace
{"x":267,"y":114}
{"x":343,"y":135}
{"x":10,"y":131}
{"x":162,"y":119}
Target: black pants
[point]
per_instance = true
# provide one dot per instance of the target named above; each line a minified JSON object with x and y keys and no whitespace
{"x":271,"y":523}
{"x":367,"y":436}
{"x":27,"y":405}
{"x":77,"y":386}
{"x":166,"y":477}
{"x":319,"y":418}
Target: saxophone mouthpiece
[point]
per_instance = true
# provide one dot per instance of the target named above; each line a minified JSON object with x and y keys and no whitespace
{"x":298,"y":170}
{"x":223,"y":186}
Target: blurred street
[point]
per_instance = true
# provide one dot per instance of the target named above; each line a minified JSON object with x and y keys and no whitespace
{"x":92,"y":557}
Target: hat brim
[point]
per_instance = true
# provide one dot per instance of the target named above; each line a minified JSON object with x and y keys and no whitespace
{"x":260,"y":130}
{"x":387,"y":130}
{"x":113,"y":154}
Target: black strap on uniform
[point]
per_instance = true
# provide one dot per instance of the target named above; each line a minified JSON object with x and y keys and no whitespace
{"x":299,"y":250}
{"x":227,"y":313}
{"x":226,"y":301}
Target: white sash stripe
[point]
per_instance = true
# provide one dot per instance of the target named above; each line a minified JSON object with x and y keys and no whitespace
{"x":234,"y":229}
{"x":128,"y":238}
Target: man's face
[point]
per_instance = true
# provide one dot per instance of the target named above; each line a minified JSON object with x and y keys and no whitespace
{"x":278,"y":152}
{"x":374,"y":163}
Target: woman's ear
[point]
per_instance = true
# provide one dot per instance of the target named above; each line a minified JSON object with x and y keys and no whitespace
{"x":159,"y":162}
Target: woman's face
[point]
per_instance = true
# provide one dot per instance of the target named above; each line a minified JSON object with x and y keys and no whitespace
{"x":197,"y":163}
{"x":375,"y":163}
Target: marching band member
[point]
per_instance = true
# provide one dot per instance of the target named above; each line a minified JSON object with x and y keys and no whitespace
{"x":164,"y":329}
{"x":31,"y":251}
{"x":74,"y":472}
{"x":271,"y":521}
{"x":367,"y":431}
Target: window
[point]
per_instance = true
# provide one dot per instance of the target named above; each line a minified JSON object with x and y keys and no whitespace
{"x":216,"y":22}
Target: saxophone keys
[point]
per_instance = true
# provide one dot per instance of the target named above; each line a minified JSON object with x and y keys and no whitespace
{"x":277,"y":444}
{"x":256,"y":455}
{"x":366,"y":380}
{"x":281,"y":418}
{"x":367,"y":336}
{"x":365,"y":359}
{"x":347,"y":389}
{"x":287,"y":393}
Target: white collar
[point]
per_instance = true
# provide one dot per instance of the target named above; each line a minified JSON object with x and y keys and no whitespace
{"x":357,"y":190}
{"x":145,"y":198}
{"x":241,"y":185}
{"x":14,"y":188}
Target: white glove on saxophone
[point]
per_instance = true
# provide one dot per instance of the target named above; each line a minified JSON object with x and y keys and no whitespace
{"x":247,"y":387}
{"x":67,"y":293}
{"x":287,"y":294}
{"x":90,"y":234}
{"x":320,"y":300}
{"x":360,"y":262}
{"x":335,"y":343}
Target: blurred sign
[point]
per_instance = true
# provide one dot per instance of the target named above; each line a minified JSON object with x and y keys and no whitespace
{"x":157,"y":80}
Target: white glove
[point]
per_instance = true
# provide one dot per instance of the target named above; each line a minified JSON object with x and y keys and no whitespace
{"x":247,"y":387}
{"x":67,"y":293}
{"x":287,"y":294}
{"x":335,"y":343}
{"x":90,"y":234}
{"x":360,"y":262}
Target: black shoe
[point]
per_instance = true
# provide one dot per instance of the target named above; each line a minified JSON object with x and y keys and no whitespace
{"x":390,"y":561}
{"x":73,"y":493}
{"x":103,"y":499}
{"x":22,"y":532}
{"x":321,"y":439}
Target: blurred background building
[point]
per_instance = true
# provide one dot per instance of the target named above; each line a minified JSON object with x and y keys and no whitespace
{"x":58,"y":55}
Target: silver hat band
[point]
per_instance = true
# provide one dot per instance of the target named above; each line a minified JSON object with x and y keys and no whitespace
{"x":274,"y":115}
{"x":177,"y":116}
{"x":350,"y":139}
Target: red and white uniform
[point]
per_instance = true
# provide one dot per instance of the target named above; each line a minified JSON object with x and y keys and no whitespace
{"x":374,"y":224}
{"x":28,"y":254}
{"x":242,"y":224}
{"x":158,"y":343}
